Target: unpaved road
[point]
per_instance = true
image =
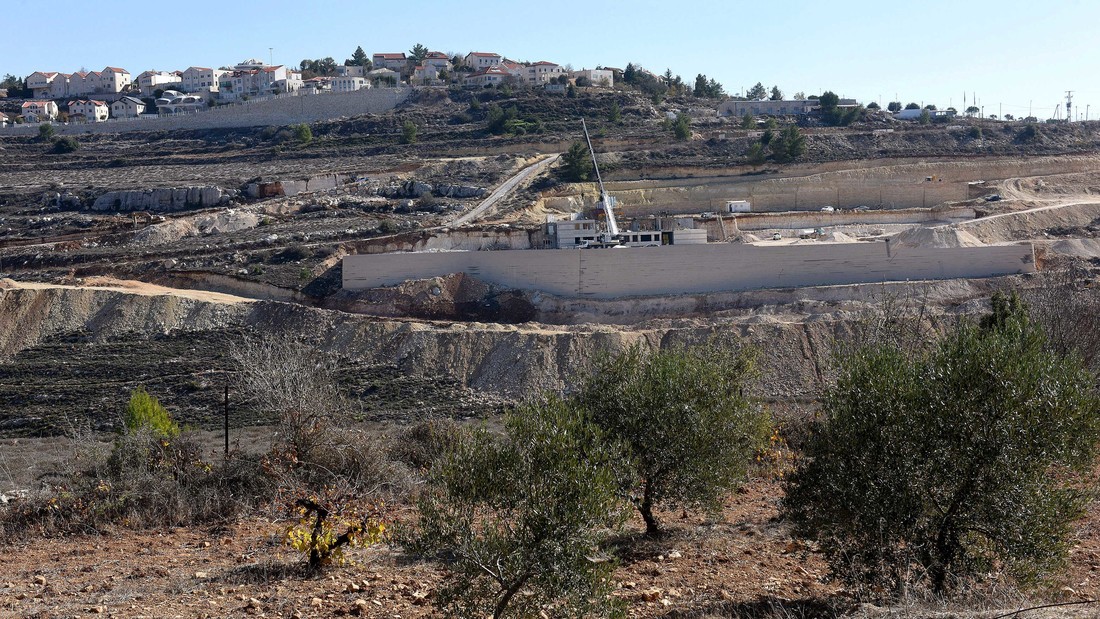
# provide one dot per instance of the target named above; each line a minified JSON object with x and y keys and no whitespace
{"x":130,"y":287}
{"x":506,"y":188}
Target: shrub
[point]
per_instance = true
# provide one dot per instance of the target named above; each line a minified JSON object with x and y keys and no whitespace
{"x":302,"y":133}
{"x":577,"y":164}
{"x":975,"y":132}
{"x":938,"y":466}
{"x":687,"y":430}
{"x":322,"y":532}
{"x":681,"y":127}
{"x":518,"y":518}
{"x":46,"y":132}
{"x":145,"y":412}
{"x":423,"y":443}
{"x":1030,"y":133}
{"x":65,"y":144}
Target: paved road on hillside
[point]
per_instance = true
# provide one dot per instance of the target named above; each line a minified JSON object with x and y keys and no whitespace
{"x":506,"y":188}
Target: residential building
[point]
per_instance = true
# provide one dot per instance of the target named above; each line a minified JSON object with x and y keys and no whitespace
{"x":482,"y":60}
{"x":595,"y":77}
{"x":790,"y":107}
{"x":393,"y":62}
{"x":59,"y":86}
{"x":4,"y":120}
{"x":351,"y":71}
{"x":438,"y":61}
{"x":349,"y":84}
{"x":88,"y":110}
{"x":251,"y":80}
{"x":40,"y":83}
{"x":489,"y":76}
{"x":202,"y":79}
{"x":39,"y":111}
{"x":384,"y":77}
{"x":127,"y":107}
{"x":425,"y":74}
{"x":114,"y":80}
{"x":149,"y":82}
{"x":543,"y":72}
{"x":318,"y":84}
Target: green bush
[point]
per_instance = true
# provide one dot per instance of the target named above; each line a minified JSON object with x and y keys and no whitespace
{"x":576,"y":164}
{"x":681,"y":127}
{"x":302,"y":133}
{"x":408,"y":132}
{"x":65,"y":144}
{"x":687,"y":430}
{"x":936,"y":467}
{"x":144,"y":412}
{"x":46,"y":132}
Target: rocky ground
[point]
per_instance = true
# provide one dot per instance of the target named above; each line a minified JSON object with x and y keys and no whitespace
{"x":98,"y":302}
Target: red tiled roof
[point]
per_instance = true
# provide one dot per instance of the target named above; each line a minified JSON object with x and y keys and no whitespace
{"x":439,"y":55}
{"x":484,"y":54}
{"x":115,"y":69}
{"x":495,"y":70}
{"x":544,"y":62}
{"x":400,"y":56}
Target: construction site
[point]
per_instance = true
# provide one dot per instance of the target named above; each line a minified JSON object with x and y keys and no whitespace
{"x":447,"y":278}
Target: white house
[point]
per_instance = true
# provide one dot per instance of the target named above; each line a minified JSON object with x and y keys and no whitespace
{"x":393,"y":62}
{"x":482,"y":60}
{"x":127,"y":107}
{"x":40,"y":83}
{"x":489,"y":76}
{"x":151,"y":81}
{"x":595,"y":77}
{"x":114,"y":80}
{"x":349,"y":84}
{"x":3,"y":120}
{"x":201,"y":79}
{"x":251,"y":80}
{"x":39,"y":111}
{"x":353,"y":70}
{"x":425,"y":74}
{"x":437,"y":61}
{"x":543,"y":72}
{"x":88,"y":110}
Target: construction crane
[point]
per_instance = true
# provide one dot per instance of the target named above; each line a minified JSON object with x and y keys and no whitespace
{"x":607,"y":202}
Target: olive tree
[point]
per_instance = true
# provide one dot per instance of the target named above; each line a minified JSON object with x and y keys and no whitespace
{"x":685,"y":426}
{"x":518,"y":519}
{"x":932,"y":467}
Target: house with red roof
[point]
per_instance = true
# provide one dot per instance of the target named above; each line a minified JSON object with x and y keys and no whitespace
{"x":39,"y":111}
{"x":482,"y":60}
{"x":393,"y":62}
{"x":88,"y":110}
{"x":437,"y":61}
{"x":40,"y":82}
{"x":489,"y":76}
{"x":202,"y":80}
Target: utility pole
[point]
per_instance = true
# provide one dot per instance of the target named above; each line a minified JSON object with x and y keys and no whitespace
{"x":1069,"y":106}
{"x":271,"y":56}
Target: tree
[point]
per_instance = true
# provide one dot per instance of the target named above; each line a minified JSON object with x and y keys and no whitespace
{"x":576,"y":164}
{"x":755,"y":155}
{"x":14,"y":85}
{"x":930,"y":107}
{"x":418,"y":53}
{"x":700,"y":85}
{"x":912,"y":106}
{"x":938,"y":465}
{"x":615,"y":115}
{"x":681,"y":415}
{"x":757,"y":93}
{"x":777,"y":95}
{"x":681,"y":127}
{"x":972,"y":110}
{"x":46,"y":132}
{"x":828,"y":101}
{"x":925,"y":117}
{"x":519,"y":519}
{"x":800,"y":96}
{"x":408,"y":132}
{"x":873,"y":106}
{"x":302,"y":133}
{"x":748,"y":121}
{"x":358,"y":59}
{"x":894,"y":106}
{"x":789,"y":145}
{"x":630,"y":74}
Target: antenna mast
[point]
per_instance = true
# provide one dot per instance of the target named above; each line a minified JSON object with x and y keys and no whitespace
{"x":1069,"y":106}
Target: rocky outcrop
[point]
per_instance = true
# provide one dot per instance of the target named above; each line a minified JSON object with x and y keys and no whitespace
{"x":162,"y":200}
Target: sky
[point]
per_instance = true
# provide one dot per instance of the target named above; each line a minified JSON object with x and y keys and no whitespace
{"x":1014,"y":55}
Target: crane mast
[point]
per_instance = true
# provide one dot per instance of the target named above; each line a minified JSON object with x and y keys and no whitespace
{"x":607,"y":202}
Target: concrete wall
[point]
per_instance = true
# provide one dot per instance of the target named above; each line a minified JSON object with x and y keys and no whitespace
{"x":609,"y":273}
{"x":280,"y":111}
{"x":817,"y":219}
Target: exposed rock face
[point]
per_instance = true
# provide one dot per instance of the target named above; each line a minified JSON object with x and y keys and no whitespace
{"x":162,"y":200}
{"x":459,"y":191}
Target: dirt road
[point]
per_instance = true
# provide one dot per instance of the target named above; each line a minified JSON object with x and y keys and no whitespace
{"x":506,"y":188}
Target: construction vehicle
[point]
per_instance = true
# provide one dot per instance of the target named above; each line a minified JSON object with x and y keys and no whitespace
{"x":610,"y":237}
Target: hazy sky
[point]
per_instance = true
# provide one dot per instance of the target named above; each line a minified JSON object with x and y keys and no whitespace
{"x":1013,"y":53}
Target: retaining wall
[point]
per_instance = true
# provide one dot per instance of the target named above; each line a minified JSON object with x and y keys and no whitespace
{"x":817,"y":219}
{"x":280,"y":111}
{"x":669,"y":270}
